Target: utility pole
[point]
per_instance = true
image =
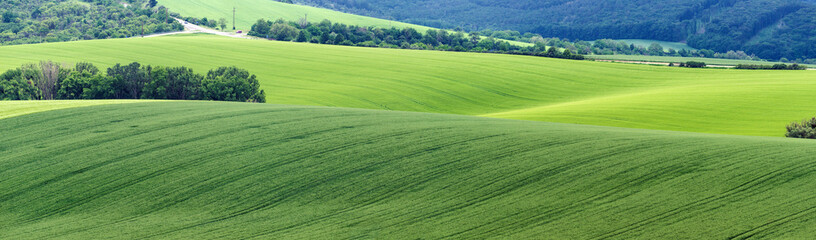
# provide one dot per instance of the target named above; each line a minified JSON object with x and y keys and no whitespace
{"x":233,"y":18}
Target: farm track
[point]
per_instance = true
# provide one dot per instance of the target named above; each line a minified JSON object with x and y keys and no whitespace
{"x":232,"y":170}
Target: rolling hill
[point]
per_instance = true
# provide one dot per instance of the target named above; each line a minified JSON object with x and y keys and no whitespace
{"x":19,"y":108}
{"x":518,"y":87}
{"x":249,"y":11}
{"x":207,"y":170}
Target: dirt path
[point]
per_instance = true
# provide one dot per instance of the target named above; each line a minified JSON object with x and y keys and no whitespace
{"x":192,"y":28}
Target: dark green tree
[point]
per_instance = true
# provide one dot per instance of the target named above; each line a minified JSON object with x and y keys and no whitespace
{"x":231,"y":84}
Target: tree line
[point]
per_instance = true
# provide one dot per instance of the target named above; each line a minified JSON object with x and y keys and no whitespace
{"x":327,"y":32}
{"x":778,"y":66}
{"x":51,"y":81}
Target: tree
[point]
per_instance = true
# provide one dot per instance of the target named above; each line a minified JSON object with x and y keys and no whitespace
{"x":156,"y":87}
{"x":101,"y":87}
{"x":183,"y":84}
{"x":301,"y":37}
{"x":74,"y":85}
{"x":223,"y":23}
{"x":260,"y":29}
{"x":86,"y":67}
{"x":552,"y":52}
{"x":13,"y":86}
{"x":152,"y":3}
{"x":475,"y":38}
{"x":231,"y":84}
{"x":130,"y":80}
{"x":655,"y":49}
{"x":804,"y":129}
{"x":283,"y":32}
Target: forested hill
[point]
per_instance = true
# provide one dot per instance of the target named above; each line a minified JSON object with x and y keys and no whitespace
{"x":769,"y":28}
{"x":26,"y":21}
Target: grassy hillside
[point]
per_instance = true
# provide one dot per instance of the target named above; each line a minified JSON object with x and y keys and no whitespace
{"x":17,"y":108}
{"x":249,"y":11}
{"x":520,"y":87}
{"x":192,"y":170}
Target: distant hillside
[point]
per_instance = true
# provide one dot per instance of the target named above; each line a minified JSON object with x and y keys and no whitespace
{"x":215,"y":170}
{"x":770,"y":28}
{"x":23,"y":22}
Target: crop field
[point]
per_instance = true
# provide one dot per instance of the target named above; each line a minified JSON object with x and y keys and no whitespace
{"x":17,"y":108}
{"x":518,"y":87}
{"x":249,"y":11}
{"x":193,"y":170}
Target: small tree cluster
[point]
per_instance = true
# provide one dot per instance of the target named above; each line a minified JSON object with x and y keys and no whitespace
{"x":804,"y":129}
{"x":693,"y":64}
{"x":49,"y":80}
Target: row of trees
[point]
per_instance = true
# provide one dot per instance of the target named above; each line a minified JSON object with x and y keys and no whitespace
{"x":49,"y":80}
{"x":327,"y":32}
{"x":26,"y":22}
{"x":778,"y":66}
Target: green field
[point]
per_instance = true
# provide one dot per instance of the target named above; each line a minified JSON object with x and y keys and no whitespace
{"x":507,"y":86}
{"x":215,"y":170}
{"x":17,"y":108}
{"x":709,"y":61}
{"x":249,"y":11}
{"x":666,"y":45}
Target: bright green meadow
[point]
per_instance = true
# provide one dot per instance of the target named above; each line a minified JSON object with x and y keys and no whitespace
{"x":742,"y":102}
{"x":217,"y":170}
{"x":249,"y":11}
{"x":17,"y":108}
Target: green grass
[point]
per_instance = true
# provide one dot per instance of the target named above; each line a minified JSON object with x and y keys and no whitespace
{"x":16,"y":108}
{"x":518,"y":87}
{"x":666,"y":45}
{"x":710,"y":61}
{"x":193,"y":170}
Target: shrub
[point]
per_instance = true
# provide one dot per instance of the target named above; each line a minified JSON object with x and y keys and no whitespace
{"x":693,"y":64}
{"x":804,"y":129}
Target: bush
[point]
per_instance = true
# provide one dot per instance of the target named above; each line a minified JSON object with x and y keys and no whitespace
{"x":693,"y":64}
{"x":804,"y":129}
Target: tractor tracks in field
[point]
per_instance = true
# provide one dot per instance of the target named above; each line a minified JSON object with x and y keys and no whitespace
{"x":750,"y":185}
